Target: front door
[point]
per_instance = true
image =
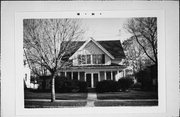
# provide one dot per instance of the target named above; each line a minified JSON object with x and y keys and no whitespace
{"x":88,"y":79}
{"x":95,"y":79}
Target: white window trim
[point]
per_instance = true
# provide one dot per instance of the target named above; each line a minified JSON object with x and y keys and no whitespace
{"x":91,"y":56}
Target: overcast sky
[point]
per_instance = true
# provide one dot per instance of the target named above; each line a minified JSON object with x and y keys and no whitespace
{"x":105,"y":29}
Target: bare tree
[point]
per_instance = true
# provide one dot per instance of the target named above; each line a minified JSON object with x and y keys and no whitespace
{"x":144,"y":30}
{"x":49,"y":42}
{"x":135,"y":55}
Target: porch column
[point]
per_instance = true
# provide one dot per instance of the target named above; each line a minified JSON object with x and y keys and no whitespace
{"x":117,"y":75}
{"x":111,"y":75}
{"x":92,"y":80}
{"x":78,"y":76}
{"x":105,"y":75}
{"x":65,"y":73}
{"x":124,"y":73}
{"x":85,"y":77}
{"x":71,"y":75}
{"x":99,"y":76}
{"x":91,"y":57}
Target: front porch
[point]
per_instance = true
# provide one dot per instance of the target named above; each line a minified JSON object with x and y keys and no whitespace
{"x":93,"y":74}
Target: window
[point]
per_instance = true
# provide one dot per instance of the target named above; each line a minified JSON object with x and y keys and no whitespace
{"x":114,"y":75}
{"x":82,"y":76}
{"x":91,"y":59}
{"x":25,"y":77}
{"x":108,"y":75}
{"x":98,"y":59}
{"x":82,"y":59}
{"x":94,"y":59}
{"x":75,"y":75}
{"x":88,"y":59}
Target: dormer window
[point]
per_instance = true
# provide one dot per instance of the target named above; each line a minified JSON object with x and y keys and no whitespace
{"x":91,"y":59}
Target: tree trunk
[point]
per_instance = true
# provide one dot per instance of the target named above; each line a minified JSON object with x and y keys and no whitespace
{"x":53,"y":88}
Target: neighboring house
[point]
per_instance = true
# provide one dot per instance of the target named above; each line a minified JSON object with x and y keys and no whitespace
{"x":95,"y":61}
{"x":27,"y":77}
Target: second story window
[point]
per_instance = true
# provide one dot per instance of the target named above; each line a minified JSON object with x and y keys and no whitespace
{"x":91,"y":59}
{"x":88,"y":57}
{"x":84,"y":59}
{"x":98,"y":59}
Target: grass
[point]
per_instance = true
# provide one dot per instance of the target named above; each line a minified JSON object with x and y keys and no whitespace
{"x":132,"y":94}
{"x":59,"y":96}
{"x":126,"y":103}
{"x":41,"y":104}
{"x":105,"y":99}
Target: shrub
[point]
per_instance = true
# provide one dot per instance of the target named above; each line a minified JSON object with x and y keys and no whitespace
{"x":146,"y":76}
{"x":59,"y":82}
{"x":107,"y":86}
{"x":42,"y":81}
{"x":82,"y":86}
{"x":70,"y":86}
{"x":137,"y":86}
{"x":63,"y":85}
{"x":125,"y":83}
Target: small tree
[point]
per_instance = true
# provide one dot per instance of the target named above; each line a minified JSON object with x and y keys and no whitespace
{"x":48,"y":44}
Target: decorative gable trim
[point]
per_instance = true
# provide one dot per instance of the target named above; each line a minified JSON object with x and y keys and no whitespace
{"x":97,"y":44}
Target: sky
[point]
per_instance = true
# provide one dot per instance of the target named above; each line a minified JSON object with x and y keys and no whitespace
{"x":105,"y":29}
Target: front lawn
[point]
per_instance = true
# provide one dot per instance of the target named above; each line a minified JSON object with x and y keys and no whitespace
{"x":132,"y":94}
{"x":126,"y":103}
{"x":43,"y":104}
{"x":59,"y":96}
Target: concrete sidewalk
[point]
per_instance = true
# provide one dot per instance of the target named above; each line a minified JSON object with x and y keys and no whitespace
{"x":90,"y":99}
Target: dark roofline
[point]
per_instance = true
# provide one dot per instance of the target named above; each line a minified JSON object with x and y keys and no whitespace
{"x":114,"y":47}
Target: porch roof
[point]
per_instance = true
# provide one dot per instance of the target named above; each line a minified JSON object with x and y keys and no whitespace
{"x":90,"y":67}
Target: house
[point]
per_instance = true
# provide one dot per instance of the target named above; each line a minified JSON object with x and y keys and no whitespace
{"x":27,"y":77}
{"x":95,"y":61}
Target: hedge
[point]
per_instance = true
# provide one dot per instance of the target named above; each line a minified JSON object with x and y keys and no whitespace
{"x":107,"y":86}
{"x":125,"y":83}
{"x":63,"y":85}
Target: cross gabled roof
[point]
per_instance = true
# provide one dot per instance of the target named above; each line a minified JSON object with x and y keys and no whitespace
{"x":112,"y":47}
{"x":97,"y":44}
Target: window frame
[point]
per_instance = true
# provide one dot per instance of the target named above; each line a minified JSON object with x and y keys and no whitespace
{"x":91,"y":59}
